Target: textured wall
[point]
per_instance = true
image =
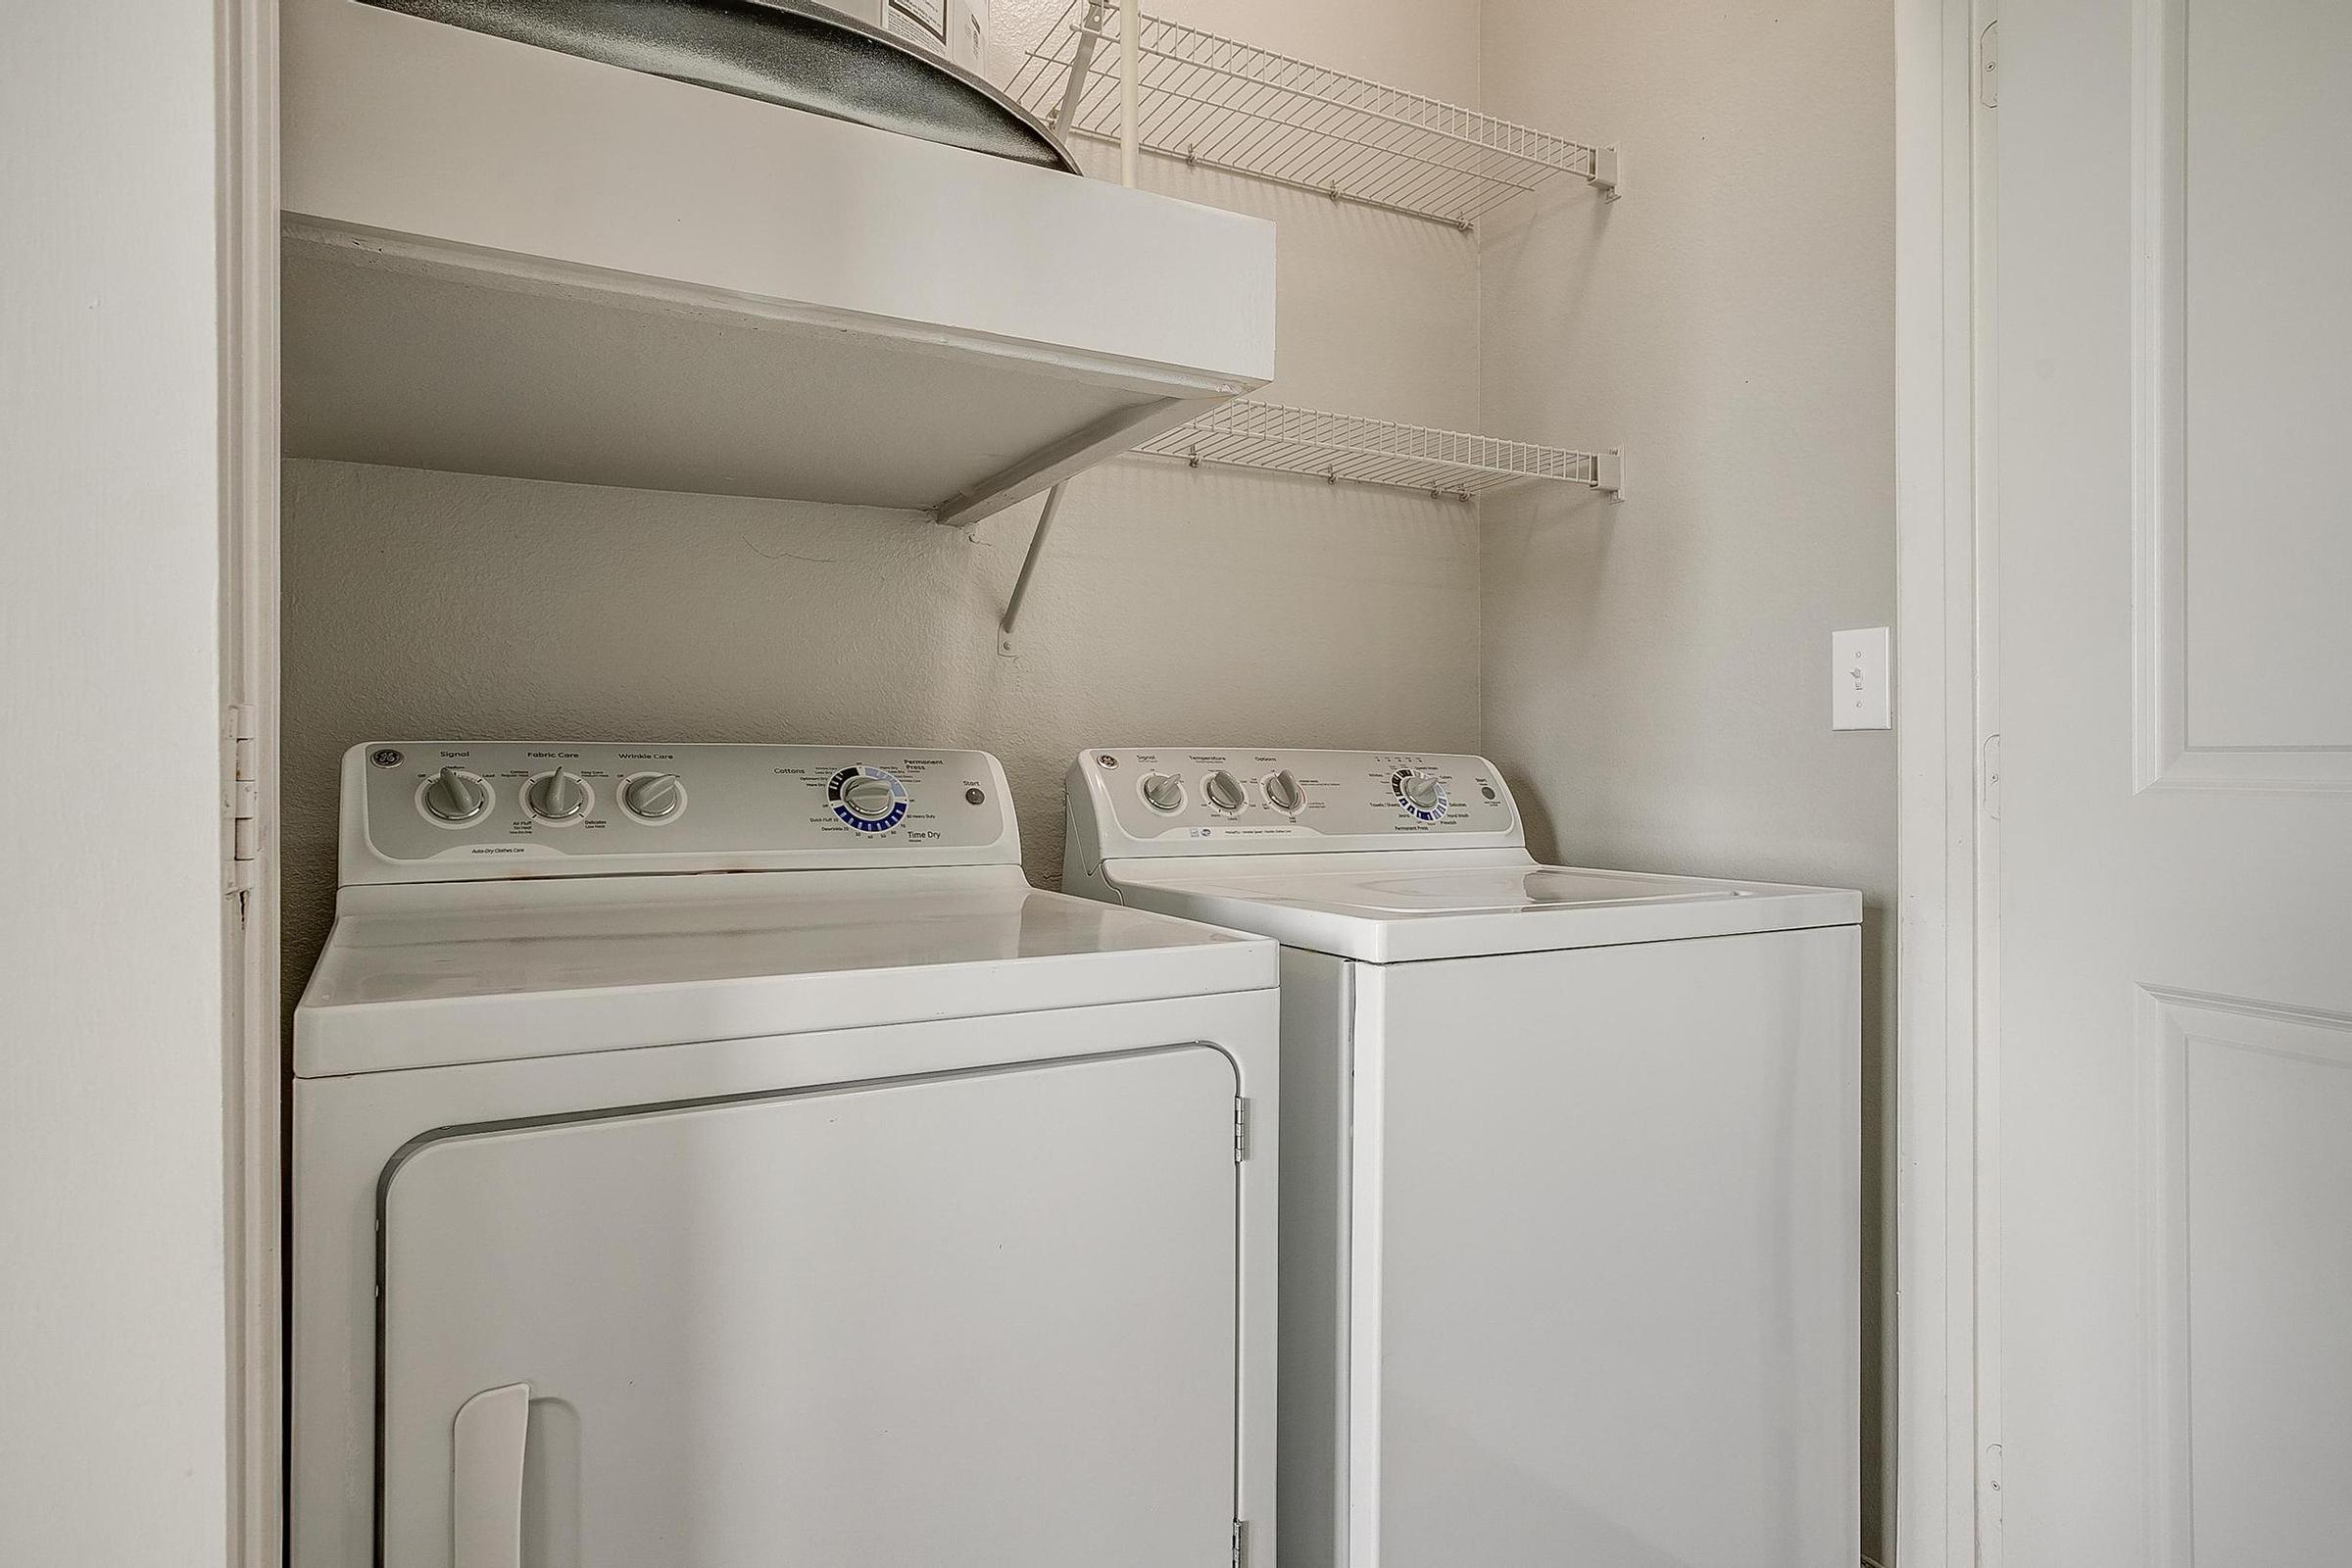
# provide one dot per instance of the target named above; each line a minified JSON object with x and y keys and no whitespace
{"x":1656,"y":672}
{"x":1171,"y":603}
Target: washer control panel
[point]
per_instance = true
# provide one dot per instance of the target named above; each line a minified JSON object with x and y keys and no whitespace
{"x":512,"y":807}
{"x":1168,"y":795}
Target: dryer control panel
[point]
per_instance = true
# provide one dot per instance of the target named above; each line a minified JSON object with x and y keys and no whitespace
{"x":1182,"y":800}
{"x":462,"y":811}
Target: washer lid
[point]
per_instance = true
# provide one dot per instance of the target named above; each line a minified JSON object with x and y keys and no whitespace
{"x":429,"y":976}
{"x":1398,"y":907}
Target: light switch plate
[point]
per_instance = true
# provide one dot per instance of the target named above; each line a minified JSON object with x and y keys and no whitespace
{"x":1858,"y":679}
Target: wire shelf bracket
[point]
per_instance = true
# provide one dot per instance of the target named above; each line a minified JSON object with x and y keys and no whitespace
{"x":1215,"y":103}
{"x":1341,"y":447}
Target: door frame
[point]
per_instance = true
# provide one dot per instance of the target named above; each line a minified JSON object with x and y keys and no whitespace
{"x":246,"y":182}
{"x":1943,"y":720}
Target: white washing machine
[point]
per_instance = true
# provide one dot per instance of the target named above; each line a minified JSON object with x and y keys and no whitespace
{"x":719,"y":1154}
{"x":1570,"y":1179}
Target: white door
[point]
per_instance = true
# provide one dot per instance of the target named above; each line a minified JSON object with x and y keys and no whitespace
{"x":978,"y":1319}
{"x":2169,"y":1279}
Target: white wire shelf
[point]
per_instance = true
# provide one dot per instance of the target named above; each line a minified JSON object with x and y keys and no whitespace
{"x":1335,"y":447}
{"x":1219,"y":104}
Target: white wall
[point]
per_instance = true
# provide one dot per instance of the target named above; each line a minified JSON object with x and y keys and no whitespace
{"x":1378,"y":314}
{"x":1171,"y":604}
{"x":1656,"y":671}
{"x":113,"y":1390}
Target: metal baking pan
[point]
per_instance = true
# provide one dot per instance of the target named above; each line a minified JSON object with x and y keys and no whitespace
{"x":783,"y":52}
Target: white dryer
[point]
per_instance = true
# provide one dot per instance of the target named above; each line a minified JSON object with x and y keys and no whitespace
{"x":719,"y":1154}
{"x":1570,"y":1175}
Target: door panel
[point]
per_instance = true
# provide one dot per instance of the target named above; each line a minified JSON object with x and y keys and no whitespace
{"x":2241,"y":118}
{"x":2252,"y":1269}
{"x":2166,"y":1344}
{"x":984,"y":1318}
{"x":2260,"y":115}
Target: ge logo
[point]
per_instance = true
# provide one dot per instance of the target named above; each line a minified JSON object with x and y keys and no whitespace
{"x":385,"y":757}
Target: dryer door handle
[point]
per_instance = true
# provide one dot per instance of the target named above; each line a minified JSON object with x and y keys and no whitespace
{"x":487,"y":1447}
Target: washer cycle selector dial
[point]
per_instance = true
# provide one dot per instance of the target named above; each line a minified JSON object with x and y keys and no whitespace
{"x":1163,"y":791}
{"x":870,"y":799}
{"x":656,"y":796}
{"x":1420,"y":792}
{"x":558,"y":797}
{"x":1224,"y":791}
{"x":1282,"y":792}
{"x":456,"y":797}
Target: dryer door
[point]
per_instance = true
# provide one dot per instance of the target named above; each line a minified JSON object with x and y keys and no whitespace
{"x":979,"y":1318}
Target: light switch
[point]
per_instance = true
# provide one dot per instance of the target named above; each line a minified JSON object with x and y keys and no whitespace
{"x":1858,"y":679}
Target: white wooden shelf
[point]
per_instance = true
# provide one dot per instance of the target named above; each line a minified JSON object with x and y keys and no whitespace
{"x":1335,"y":447}
{"x":1216,"y":102}
{"x":504,"y":259}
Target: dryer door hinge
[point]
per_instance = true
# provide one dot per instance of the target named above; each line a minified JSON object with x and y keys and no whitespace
{"x":243,"y":803}
{"x":1240,"y":1129}
{"x":1241,"y":1543}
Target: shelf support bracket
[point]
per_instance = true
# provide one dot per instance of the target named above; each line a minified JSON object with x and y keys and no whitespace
{"x":1131,"y":71}
{"x":1082,"y":62}
{"x":1608,"y":171}
{"x":1020,"y":584}
{"x":1608,"y":473}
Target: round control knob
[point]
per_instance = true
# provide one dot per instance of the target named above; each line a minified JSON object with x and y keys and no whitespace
{"x":1224,"y":791}
{"x":656,"y":796}
{"x":558,"y":797}
{"x":1282,"y":792}
{"x":869,"y":798}
{"x":456,"y":797}
{"x":1421,"y":792}
{"x":1163,"y":791}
